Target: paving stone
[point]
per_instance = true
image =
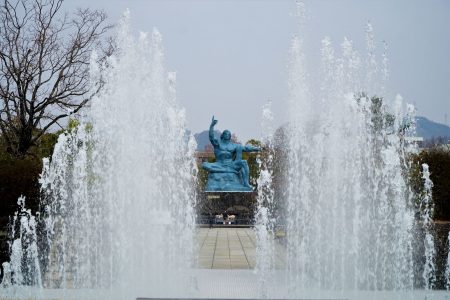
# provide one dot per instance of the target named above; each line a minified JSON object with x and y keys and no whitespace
{"x":230,"y":248}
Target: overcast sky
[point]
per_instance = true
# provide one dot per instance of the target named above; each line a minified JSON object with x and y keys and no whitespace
{"x":231,"y":56}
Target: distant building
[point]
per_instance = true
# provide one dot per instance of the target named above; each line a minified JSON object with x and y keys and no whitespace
{"x":205,"y":155}
{"x":415,"y":139}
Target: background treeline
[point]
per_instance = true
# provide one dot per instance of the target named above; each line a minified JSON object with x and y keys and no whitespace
{"x":19,"y":176}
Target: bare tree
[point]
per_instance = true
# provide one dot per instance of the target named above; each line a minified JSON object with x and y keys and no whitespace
{"x":44,"y":75}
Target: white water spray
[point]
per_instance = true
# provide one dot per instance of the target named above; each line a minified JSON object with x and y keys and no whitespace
{"x":349,"y":222}
{"x":426,"y":209}
{"x":447,"y":266}
{"x":265,"y":219}
{"x":118,"y":192}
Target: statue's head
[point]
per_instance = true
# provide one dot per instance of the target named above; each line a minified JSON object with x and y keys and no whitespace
{"x":226,"y":135}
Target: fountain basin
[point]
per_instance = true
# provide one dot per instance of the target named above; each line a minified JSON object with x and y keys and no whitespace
{"x":218,"y":284}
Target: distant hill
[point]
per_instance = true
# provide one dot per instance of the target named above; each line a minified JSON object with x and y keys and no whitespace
{"x":428,"y":129}
{"x":202,"y":138}
{"x":424,"y":127}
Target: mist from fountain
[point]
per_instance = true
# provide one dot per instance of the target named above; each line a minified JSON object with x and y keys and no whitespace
{"x":24,"y":249}
{"x":118,"y":193}
{"x":350,"y":218}
{"x":427,"y":207}
{"x":447,"y":266}
{"x":264,"y":216}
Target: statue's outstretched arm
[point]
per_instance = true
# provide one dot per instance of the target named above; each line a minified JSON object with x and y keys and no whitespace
{"x":250,"y":148}
{"x":212,"y":139}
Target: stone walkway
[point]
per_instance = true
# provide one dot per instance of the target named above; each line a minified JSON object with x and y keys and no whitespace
{"x":226,"y":248}
{"x":231,"y":248}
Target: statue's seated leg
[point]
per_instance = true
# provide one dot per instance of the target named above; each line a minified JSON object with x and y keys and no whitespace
{"x":245,"y":172}
{"x":224,"y":177}
{"x":218,"y":168}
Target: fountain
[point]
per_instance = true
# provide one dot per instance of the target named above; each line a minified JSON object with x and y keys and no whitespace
{"x":118,"y":193}
{"x":349,"y":205}
{"x":447,"y":266}
{"x":265,"y":219}
{"x":429,"y":269}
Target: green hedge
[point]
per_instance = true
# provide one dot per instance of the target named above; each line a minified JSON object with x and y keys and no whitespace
{"x":20,"y":176}
{"x":438,"y":159}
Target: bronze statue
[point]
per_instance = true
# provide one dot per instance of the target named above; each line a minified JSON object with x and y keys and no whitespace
{"x":229,"y":172}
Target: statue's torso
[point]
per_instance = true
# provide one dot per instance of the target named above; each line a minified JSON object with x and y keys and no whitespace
{"x":224,"y":152}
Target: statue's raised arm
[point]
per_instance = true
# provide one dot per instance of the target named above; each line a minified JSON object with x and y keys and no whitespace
{"x":212,"y":139}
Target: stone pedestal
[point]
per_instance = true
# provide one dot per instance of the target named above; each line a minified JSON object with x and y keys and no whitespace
{"x":214,"y":203}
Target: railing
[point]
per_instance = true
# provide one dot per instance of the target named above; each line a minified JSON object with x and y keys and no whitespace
{"x":206,"y":220}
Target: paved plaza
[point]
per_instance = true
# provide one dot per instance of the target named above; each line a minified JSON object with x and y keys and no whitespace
{"x":230,"y":248}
